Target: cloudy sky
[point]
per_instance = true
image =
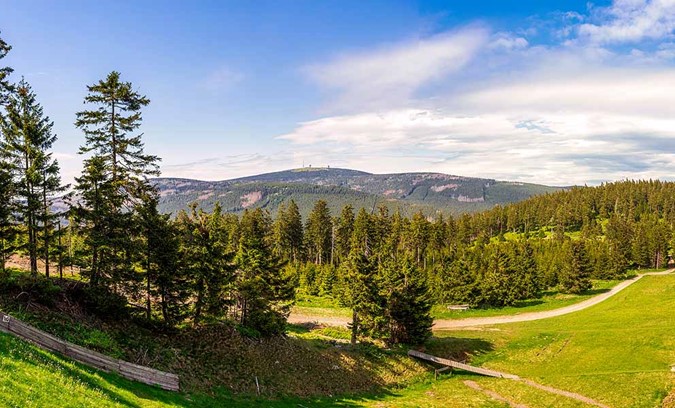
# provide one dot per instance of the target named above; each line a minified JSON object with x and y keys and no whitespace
{"x":565,"y":92}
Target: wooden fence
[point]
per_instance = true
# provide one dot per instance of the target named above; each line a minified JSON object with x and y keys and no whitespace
{"x":91,"y":358}
{"x":461,"y":366}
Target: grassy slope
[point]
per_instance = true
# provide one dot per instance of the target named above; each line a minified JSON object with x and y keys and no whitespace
{"x":30,"y":377}
{"x":618,"y":352}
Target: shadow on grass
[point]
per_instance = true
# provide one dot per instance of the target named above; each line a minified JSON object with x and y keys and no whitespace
{"x":460,"y":349}
{"x":593,"y":292}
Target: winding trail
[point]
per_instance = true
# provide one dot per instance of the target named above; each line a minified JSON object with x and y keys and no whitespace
{"x":446,"y":324}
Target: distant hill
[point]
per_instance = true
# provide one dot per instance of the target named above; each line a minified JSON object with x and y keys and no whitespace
{"x":407,"y":192}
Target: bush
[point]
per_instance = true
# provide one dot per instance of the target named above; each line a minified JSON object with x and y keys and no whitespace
{"x":37,"y":288}
{"x":101,"y":301}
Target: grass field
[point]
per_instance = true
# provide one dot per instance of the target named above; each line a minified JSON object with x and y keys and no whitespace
{"x":618,"y":352}
{"x":552,"y":299}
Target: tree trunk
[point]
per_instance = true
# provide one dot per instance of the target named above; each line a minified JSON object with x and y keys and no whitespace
{"x":355,"y":326}
{"x":45,"y":225}
{"x":147,"y":290}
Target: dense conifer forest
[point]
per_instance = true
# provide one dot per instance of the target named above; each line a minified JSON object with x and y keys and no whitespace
{"x":201,"y":267}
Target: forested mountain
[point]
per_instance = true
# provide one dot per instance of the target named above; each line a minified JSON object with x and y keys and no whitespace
{"x":405,"y":192}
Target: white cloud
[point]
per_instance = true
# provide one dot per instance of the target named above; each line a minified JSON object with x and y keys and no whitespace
{"x":630,"y":21}
{"x":392,"y":74}
{"x":545,"y":127}
{"x":507,"y":42}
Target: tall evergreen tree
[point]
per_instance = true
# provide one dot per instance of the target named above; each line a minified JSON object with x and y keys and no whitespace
{"x":407,"y":302}
{"x":319,"y":233}
{"x":25,"y":150}
{"x":417,"y":236}
{"x":288,"y":232}
{"x":208,"y":265}
{"x":358,"y":292}
{"x":7,"y":225}
{"x":7,"y":186}
{"x":166,"y":283}
{"x":343,"y":233}
{"x":264,"y":295}
{"x":115,"y":177}
{"x":577,"y":268}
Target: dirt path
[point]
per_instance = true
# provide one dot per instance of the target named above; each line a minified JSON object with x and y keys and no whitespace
{"x":444,"y":324}
{"x":564,"y":393}
{"x":474,"y":385}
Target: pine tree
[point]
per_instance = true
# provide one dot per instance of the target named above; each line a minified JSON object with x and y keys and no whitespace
{"x":358,"y":292}
{"x":164,"y":275}
{"x":319,"y":233}
{"x":206,"y":262}
{"x":288,"y":233}
{"x":407,"y":303}
{"x":7,"y":225}
{"x":577,"y":268}
{"x":343,"y":233}
{"x":25,"y":149}
{"x":264,"y":295}
{"x":5,"y":86}
{"x":114,"y":180}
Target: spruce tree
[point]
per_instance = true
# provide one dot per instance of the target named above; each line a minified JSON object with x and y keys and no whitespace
{"x":206,"y":262}
{"x":7,"y":224}
{"x":164,"y":276}
{"x":114,"y":180}
{"x":7,"y":187}
{"x":25,"y":150}
{"x":319,"y":233}
{"x":577,"y":268}
{"x":417,"y":236}
{"x":288,"y":232}
{"x":358,"y":291}
{"x":5,"y":86}
{"x":362,"y":241}
{"x":343,"y":233}
{"x":263,"y":294}
{"x":407,"y":302}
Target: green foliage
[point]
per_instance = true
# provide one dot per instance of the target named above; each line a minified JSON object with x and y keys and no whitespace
{"x":575,"y":275}
{"x":263,"y":294}
{"x":30,"y":288}
{"x":406,"y":303}
{"x":5,"y":86}
{"x":205,"y":262}
{"x":101,"y":301}
{"x":319,"y":234}
{"x":8,"y":230}
{"x":26,"y":140}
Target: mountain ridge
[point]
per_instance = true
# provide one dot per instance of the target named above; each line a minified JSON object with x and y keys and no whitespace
{"x":406,"y":192}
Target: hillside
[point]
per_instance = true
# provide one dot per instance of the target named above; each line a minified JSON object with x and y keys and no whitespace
{"x":407,"y":192}
{"x":621,"y":343}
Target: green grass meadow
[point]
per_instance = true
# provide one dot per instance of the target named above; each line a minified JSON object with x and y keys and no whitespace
{"x":618,"y":352}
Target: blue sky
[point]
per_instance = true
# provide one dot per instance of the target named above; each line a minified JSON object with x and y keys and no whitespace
{"x":539,"y":91}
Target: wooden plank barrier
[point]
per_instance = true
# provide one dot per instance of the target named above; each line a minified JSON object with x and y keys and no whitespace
{"x":461,"y":366}
{"x":91,"y":358}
